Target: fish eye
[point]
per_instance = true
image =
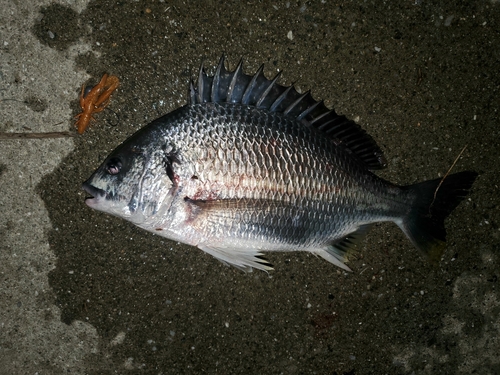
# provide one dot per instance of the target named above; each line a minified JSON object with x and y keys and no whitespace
{"x":114,"y":166}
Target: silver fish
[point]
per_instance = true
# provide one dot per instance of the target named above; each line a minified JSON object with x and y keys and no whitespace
{"x":249,"y":166}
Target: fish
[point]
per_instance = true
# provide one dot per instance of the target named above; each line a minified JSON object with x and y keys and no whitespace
{"x":249,"y":166}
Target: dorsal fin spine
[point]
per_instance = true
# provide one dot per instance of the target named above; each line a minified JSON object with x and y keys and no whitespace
{"x":280,"y":98}
{"x":191,"y":93}
{"x":328,"y":123}
{"x":246,"y":95}
{"x":234,"y":81}
{"x":216,"y":81}
{"x":308,"y":110}
{"x":295,"y":103}
{"x":201,"y":83}
{"x":268,"y":90}
{"x":320,"y":117}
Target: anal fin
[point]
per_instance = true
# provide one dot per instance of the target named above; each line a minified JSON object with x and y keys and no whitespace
{"x":243,"y":259}
{"x":339,"y":251}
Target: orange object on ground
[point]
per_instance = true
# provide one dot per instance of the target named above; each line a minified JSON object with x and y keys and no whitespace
{"x":95,"y":101}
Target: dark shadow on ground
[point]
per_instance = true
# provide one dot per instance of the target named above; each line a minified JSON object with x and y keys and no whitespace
{"x":180,"y":310}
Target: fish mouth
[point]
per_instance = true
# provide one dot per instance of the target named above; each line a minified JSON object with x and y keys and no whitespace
{"x":96,"y":194}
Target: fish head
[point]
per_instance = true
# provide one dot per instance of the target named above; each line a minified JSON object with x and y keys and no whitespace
{"x":132,"y":183}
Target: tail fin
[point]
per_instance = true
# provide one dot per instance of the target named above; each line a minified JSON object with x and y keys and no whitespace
{"x":435,"y":200}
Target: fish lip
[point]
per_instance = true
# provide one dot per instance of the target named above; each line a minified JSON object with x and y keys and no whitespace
{"x":96,"y":194}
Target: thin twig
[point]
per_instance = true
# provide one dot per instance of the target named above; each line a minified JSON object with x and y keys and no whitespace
{"x":11,"y":100}
{"x":447,"y":173}
{"x":5,"y":136}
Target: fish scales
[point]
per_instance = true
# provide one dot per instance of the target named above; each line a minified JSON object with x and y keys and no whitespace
{"x":339,"y":189}
{"x":265,"y":157}
{"x":250,"y":166}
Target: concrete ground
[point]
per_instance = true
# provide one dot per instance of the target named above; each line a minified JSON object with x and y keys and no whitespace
{"x":82,"y":292}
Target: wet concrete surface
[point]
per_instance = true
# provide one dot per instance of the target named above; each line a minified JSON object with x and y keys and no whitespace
{"x":86,"y":293}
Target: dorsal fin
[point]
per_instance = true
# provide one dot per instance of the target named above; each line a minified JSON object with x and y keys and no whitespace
{"x":256,"y":90}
